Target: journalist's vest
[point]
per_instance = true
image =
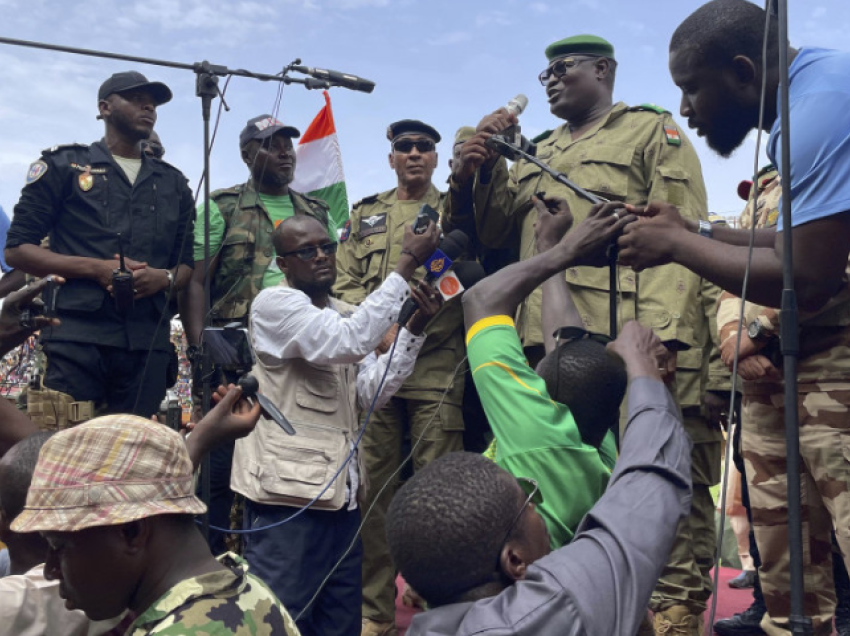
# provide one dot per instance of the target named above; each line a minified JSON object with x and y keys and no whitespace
{"x":320,"y":401}
{"x":247,"y":250}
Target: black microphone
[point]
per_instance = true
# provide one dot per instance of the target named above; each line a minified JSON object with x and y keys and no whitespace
{"x":451,"y":247}
{"x":469,"y":273}
{"x":336,"y":78}
{"x":250,"y":388}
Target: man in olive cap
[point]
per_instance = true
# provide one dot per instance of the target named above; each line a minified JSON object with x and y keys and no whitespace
{"x":111,"y":350}
{"x":630,"y":154}
{"x":369,"y":250}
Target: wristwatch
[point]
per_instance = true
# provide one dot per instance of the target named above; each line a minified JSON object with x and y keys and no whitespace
{"x":758,"y":332}
{"x":170,"y":277}
{"x":705,"y":229}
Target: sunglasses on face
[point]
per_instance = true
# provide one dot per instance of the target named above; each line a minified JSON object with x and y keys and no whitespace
{"x":406,"y":145}
{"x":309,"y":253}
{"x":563,"y":66}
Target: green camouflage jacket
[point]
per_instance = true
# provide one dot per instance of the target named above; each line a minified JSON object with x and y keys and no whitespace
{"x":217,"y":604}
{"x":246,"y":250}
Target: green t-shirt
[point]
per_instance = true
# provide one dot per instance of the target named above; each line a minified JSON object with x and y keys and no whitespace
{"x":535,"y":436}
{"x":279,"y":208}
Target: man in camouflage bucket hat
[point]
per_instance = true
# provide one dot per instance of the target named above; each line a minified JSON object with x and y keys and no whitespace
{"x":115,"y":502}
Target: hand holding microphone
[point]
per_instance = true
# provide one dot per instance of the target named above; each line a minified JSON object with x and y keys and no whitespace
{"x":474,"y":153}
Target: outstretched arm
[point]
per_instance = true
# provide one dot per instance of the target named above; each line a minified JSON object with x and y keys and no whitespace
{"x":501,"y":293}
{"x":553,"y":221}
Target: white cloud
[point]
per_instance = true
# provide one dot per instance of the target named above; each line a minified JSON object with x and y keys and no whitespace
{"x":539,"y":7}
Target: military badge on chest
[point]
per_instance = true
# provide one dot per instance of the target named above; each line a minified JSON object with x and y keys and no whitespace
{"x":375,"y":224}
{"x":86,"y":179}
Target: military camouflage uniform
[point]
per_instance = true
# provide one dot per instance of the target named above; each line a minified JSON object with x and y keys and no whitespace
{"x":635,"y":155}
{"x":246,"y":249}
{"x":824,"y":402}
{"x":369,"y":252}
{"x":225,"y":602}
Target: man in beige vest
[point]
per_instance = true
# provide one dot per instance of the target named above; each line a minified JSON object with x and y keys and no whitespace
{"x":316,"y":362}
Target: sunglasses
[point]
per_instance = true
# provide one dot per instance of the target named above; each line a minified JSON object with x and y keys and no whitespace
{"x":406,"y":145}
{"x":568,"y":334}
{"x":531,"y":488}
{"x":563,"y":66}
{"x":309,"y":253}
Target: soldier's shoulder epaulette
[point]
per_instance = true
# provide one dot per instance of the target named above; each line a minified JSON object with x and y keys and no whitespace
{"x":366,"y":200}
{"x":231,"y":191}
{"x":61,"y":147}
{"x":542,"y":136}
{"x":655,"y":108}
{"x":315,"y":201}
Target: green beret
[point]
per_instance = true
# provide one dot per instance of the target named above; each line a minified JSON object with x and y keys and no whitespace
{"x":411,"y":126}
{"x":463,"y":133}
{"x":580,"y":44}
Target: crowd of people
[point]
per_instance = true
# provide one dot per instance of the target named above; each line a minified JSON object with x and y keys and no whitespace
{"x":585,"y":508}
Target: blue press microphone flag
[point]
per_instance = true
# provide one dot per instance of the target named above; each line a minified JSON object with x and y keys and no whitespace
{"x":437,"y":264}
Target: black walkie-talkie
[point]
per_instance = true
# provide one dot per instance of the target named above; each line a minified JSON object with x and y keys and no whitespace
{"x":122,"y":283}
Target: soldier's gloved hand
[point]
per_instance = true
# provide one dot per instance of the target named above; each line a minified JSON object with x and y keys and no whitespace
{"x":554,"y":220}
{"x":11,"y":332}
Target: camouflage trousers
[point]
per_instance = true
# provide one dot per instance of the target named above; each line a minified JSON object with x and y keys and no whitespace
{"x":441,"y":432}
{"x":686,"y":578}
{"x":824,"y":416}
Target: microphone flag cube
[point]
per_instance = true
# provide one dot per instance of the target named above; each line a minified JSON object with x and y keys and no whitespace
{"x":437,"y":264}
{"x":449,"y":285}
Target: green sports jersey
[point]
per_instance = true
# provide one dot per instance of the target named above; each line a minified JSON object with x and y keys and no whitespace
{"x":535,"y":436}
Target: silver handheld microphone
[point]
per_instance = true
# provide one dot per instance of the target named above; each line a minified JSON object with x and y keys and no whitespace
{"x":517,"y":105}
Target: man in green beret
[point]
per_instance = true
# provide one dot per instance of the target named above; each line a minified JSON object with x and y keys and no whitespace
{"x":370,"y":246}
{"x":623,"y":153}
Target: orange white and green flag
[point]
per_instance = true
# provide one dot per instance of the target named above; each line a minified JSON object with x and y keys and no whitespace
{"x":318,"y":169}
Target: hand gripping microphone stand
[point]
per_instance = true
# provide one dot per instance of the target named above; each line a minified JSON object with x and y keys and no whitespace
{"x":206,"y":88}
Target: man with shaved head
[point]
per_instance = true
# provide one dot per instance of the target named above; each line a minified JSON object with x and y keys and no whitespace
{"x":315,"y":361}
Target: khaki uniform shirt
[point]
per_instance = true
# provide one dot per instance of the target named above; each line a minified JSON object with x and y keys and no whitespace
{"x":633,"y":155}
{"x":368,"y":253}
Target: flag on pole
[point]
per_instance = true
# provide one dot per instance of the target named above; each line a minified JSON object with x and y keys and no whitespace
{"x":318,"y":168}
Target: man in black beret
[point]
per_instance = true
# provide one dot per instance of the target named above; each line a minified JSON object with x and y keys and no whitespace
{"x":111,"y":350}
{"x":369,"y":249}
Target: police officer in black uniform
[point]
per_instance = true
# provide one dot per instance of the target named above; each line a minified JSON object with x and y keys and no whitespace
{"x":90,"y":199}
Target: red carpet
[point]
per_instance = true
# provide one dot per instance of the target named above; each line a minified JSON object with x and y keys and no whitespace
{"x":729,"y":602}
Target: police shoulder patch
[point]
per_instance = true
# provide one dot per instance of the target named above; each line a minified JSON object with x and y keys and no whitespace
{"x":37,"y":170}
{"x":346,"y":231}
{"x":655,"y":108}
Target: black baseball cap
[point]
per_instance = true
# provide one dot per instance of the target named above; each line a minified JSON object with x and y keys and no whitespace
{"x":129,"y":80}
{"x":263,"y":127}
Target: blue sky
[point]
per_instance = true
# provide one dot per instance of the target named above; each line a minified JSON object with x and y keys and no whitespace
{"x":448,"y":63}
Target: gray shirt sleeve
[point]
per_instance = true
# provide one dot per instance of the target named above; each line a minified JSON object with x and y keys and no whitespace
{"x":601,"y":582}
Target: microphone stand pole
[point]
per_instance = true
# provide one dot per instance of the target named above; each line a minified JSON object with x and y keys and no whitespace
{"x":800,"y":624}
{"x":514,"y":152}
{"x":207,"y":89}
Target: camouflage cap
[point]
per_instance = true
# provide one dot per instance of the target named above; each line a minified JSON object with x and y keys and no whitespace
{"x":411,"y":127}
{"x":580,"y":45}
{"x":463,"y":133}
{"x":110,"y":470}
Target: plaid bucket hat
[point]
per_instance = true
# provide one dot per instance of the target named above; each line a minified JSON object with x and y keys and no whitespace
{"x":110,"y":470}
